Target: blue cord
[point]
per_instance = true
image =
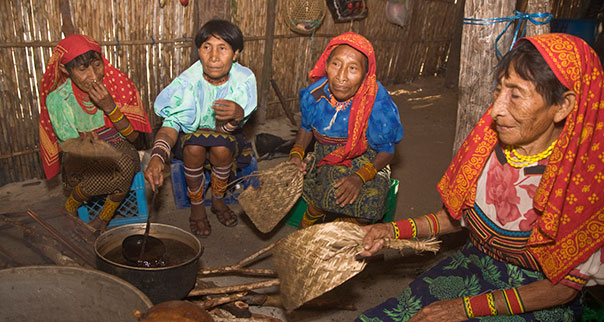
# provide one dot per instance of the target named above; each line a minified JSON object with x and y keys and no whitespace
{"x":518,"y":16}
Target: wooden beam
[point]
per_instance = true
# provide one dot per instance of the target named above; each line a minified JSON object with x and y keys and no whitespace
{"x":267,"y":66}
{"x":67,"y":27}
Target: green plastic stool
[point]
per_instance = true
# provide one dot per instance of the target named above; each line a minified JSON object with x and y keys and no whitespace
{"x":297,"y":212}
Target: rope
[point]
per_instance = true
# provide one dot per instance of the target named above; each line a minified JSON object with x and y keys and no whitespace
{"x":521,"y":16}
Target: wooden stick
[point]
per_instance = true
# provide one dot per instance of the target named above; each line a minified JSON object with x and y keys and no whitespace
{"x":252,"y":257}
{"x":233,"y":269}
{"x":210,"y":303}
{"x":289,"y":115}
{"x":234,"y":288}
{"x":58,"y":236}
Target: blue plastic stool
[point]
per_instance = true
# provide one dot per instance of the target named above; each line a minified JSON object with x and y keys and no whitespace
{"x":179,"y":185}
{"x":297,"y":212}
{"x":132,"y":210}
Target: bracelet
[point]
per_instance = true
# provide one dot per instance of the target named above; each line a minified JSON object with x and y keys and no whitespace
{"x":161,"y":149}
{"x":397,"y":232}
{"x":116,"y":118}
{"x":159,"y":156}
{"x":113,"y":110}
{"x":127,"y":131}
{"x":406,"y":227}
{"x":479,"y":305}
{"x":228,"y":127}
{"x":513,"y":302}
{"x":366,"y":172}
{"x":433,"y":224}
{"x":297,"y":149}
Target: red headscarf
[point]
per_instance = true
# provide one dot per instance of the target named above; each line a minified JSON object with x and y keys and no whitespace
{"x":121,"y":88}
{"x":362,"y":102}
{"x":569,"y":197}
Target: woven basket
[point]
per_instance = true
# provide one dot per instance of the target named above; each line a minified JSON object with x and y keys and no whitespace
{"x":87,"y":146}
{"x":305,"y":16}
{"x":315,"y":260}
{"x":278,"y":190}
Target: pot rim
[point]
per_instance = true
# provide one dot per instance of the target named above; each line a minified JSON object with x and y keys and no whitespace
{"x":128,"y":226}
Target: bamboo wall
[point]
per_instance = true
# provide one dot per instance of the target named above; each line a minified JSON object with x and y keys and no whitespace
{"x":153,"y":45}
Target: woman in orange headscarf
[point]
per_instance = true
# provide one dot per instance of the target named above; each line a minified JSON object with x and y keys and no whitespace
{"x":526,"y":184}
{"x":82,"y":94}
{"x":356,"y":125}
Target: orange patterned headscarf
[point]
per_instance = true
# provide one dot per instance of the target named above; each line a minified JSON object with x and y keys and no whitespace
{"x":124,"y":93}
{"x":362,"y":103}
{"x":569,"y":197}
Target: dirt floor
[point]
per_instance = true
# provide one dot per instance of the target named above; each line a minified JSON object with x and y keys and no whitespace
{"x":428,"y":114}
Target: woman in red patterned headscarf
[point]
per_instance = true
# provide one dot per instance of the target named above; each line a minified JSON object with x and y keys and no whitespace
{"x":356,"y":125}
{"x":82,"y":94}
{"x":527,"y":185}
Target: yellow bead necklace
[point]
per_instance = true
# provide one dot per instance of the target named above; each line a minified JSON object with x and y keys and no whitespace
{"x":517,"y":160}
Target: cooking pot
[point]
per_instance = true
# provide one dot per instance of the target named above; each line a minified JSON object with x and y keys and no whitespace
{"x":60,"y":293}
{"x":160,"y":284}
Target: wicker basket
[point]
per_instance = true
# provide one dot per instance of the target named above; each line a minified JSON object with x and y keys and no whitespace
{"x":305,"y":16}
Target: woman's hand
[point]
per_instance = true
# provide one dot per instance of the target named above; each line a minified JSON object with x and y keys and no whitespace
{"x":446,"y":310}
{"x":373,"y":240}
{"x":226,"y":110}
{"x":300,"y":164}
{"x":348,"y":189}
{"x":100,"y":96}
{"x":154,"y":173}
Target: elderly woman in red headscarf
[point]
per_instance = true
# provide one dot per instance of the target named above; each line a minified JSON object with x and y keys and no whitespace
{"x":356,"y":125}
{"x":82,"y":94}
{"x":527,"y":184}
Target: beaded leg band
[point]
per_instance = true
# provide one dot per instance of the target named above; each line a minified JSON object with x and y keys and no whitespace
{"x":195,"y":178}
{"x":220,"y":180}
{"x":311,"y":216}
{"x":75,"y":200}
{"x":109,"y":209}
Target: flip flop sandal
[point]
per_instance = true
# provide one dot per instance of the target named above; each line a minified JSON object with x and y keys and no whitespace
{"x":225,"y":216}
{"x":194,"y":226}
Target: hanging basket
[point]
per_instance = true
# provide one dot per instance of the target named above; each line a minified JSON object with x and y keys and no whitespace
{"x":347,"y":10}
{"x":305,"y":16}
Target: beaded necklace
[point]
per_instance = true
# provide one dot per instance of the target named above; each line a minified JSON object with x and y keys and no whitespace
{"x":216,"y":82}
{"x":517,"y":160}
{"x":84,"y":100}
{"x":338,"y":106}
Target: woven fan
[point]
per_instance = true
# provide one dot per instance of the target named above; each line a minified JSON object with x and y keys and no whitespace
{"x":278,"y":190}
{"x":87,"y":146}
{"x":315,"y":260}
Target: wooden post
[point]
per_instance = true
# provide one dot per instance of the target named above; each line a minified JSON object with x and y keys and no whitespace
{"x":267,"y":67}
{"x":452,"y":72}
{"x":535,"y":6}
{"x":67,"y":27}
{"x":477,"y":61}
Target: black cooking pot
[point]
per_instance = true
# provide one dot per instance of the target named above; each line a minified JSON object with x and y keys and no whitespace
{"x":160,"y":284}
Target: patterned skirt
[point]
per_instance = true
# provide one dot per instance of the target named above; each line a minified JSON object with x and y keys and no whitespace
{"x":101,"y":176}
{"x":318,"y":189}
{"x":466,"y":273}
{"x":236,"y":143}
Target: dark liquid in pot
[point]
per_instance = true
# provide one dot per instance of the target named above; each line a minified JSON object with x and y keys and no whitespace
{"x":176,"y":253}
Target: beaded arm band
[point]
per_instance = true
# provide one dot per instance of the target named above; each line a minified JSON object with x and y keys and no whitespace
{"x":367,"y":172}
{"x":405,"y":229}
{"x":228,"y":127}
{"x":298,"y":150}
{"x":115,"y":115}
{"x":484,"y":304}
{"x":433,"y":224}
{"x":161,"y":149}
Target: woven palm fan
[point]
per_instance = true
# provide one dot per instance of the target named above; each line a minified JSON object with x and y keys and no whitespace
{"x":278,"y":190}
{"x":314,"y":260}
{"x":87,"y":146}
{"x":305,"y":16}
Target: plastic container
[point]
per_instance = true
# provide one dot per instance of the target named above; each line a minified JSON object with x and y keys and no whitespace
{"x":132,"y":210}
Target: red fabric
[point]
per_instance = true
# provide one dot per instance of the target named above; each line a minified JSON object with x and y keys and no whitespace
{"x":569,"y":198}
{"x":363,"y":100}
{"x":124,"y":93}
